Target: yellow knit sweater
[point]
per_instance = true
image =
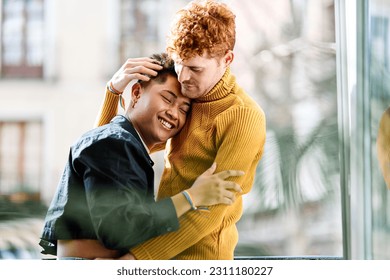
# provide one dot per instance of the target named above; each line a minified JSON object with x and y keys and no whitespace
{"x":225,"y":126}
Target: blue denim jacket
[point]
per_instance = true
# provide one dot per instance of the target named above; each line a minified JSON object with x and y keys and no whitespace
{"x":106,"y":192}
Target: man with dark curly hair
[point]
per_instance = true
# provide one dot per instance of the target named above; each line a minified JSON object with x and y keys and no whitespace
{"x":225,"y":125}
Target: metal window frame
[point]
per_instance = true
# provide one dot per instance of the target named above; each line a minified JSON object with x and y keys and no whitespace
{"x":354,"y":127}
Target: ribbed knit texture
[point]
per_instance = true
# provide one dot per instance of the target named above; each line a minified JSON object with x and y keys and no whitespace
{"x":108,"y":110}
{"x":225,"y":126}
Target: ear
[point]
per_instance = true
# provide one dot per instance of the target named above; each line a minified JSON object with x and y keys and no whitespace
{"x":135,"y":91}
{"x":228,"y":58}
{"x":135,"y":94}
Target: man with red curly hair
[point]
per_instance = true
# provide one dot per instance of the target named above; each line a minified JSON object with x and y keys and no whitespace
{"x":225,"y":125}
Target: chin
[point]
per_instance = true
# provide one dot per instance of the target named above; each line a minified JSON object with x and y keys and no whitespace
{"x":192,"y":94}
{"x":163,"y":139}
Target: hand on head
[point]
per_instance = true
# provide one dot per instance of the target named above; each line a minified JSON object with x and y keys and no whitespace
{"x":135,"y":69}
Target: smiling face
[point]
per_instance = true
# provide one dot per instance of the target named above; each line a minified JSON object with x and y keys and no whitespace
{"x":159,"y":110}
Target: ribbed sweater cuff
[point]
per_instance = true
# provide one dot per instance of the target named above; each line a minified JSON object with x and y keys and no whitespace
{"x":108,"y":110}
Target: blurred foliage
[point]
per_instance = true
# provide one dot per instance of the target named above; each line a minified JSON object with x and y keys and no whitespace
{"x":298,"y":89}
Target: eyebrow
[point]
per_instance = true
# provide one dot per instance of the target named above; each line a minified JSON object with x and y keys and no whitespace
{"x":194,"y":66}
{"x":189,"y":65}
{"x":174,"y":95}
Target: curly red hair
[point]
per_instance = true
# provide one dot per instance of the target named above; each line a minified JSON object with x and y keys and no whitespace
{"x":203,"y":26}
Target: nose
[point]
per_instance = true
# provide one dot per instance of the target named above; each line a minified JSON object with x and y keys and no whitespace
{"x":182,"y":74}
{"x":173,"y":112}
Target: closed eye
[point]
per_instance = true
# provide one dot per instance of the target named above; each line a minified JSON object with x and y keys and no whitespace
{"x":195,"y":69}
{"x":166,"y":99}
{"x":185,"y":110}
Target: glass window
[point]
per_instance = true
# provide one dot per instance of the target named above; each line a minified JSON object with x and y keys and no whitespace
{"x":378,"y":115}
{"x":366,"y":94}
{"x":21,"y":209}
{"x":286,"y":59}
{"x":22,"y":25}
{"x":20,"y":159}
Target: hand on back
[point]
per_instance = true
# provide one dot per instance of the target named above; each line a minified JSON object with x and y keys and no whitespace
{"x":210,"y":189}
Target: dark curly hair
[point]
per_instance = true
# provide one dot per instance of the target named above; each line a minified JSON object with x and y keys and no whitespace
{"x":168,"y":69}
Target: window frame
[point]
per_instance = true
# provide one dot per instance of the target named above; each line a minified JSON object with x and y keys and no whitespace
{"x":23,"y":69}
